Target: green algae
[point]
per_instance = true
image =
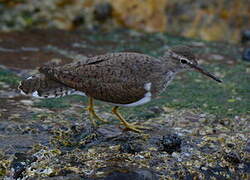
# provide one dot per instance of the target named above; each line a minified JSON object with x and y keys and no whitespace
{"x":52,"y":103}
{"x":8,"y":77}
{"x":228,"y":99}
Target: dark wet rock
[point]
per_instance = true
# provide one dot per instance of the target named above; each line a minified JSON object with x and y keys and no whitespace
{"x":156,"y":109}
{"x":18,"y":169}
{"x":247,"y":148}
{"x":102,"y":11}
{"x":127,"y":174}
{"x":208,"y":149}
{"x":127,"y":137}
{"x":246,"y":54}
{"x":233,"y":157}
{"x":215,"y":173}
{"x":245,"y":36}
{"x":132,"y":147}
{"x":78,"y":20}
{"x":66,"y":177}
{"x":246,"y":167}
{"x":82,"y":136}
{"x":109,"y":131}
{"x":19,"y":164}
{"x":171,"y":143}
{"x":65,"y":174}
{"x":136,"y":175}
{"x":14,"y":143}
{"x":230,"y":145}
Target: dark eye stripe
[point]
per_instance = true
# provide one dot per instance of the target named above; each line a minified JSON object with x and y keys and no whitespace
{"x":183,"y":61}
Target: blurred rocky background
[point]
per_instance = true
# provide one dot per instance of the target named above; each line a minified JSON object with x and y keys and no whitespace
{"x":214,"y":20}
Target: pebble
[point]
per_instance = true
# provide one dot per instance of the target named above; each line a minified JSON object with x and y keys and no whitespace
{"x":4,"y":85}
{"x":8,"y":94}
{"x":102,"y":11}
{"x":27,"y":102}
{"x":171,"y":143}
{"x":246,"y":54}
{"x":156,"y":109}
{"x":78,"y":20}
{"x":233,"y":157}
{"x":109,"y":131}
{"x":247,"y":148}
{"x":127,"y":174}
{"x":216,"y":57}
{"x":19,"y":164}
{"x":245,"y":36}
{"x":131,"y":147}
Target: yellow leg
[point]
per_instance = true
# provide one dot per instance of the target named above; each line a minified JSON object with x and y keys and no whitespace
{"x":92,"y":113}
{"x":128,"y":125}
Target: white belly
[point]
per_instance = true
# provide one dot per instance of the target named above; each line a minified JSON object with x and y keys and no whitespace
{"x":144,"y":100}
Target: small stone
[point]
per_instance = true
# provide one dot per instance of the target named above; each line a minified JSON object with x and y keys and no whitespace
{"x":109,"y":132}
{"x":202,"y":115}
{"x":230,"y":145}
{"x":156,"y":109}
{"x":71,"y":176}
{"x":131,"y":147}
{"x":171,"y":143}
{"x":245,"y":36}
{"x":216,"y":57}
{"x":102,"y":11}
{"x":144,"y":174}
{"x":27,"y":102}
{"x":4,"y":85}
{"x":233,"y":157}
{"x":246,"y":54}
{"x":128,"y":174}
{"x":17,"y":170}
{"x":247,"y":148}
{"x":78,"y":20}
{"x":19,"y":164}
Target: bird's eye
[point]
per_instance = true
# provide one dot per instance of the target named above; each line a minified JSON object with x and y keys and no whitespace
{"x":183,"y":61}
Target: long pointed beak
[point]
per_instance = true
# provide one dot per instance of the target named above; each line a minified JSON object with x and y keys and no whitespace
{"x":201,"y":70}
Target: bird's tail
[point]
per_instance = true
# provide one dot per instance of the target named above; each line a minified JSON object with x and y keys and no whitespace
{"x":41,"y":86}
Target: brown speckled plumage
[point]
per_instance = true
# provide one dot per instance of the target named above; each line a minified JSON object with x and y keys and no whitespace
{"x":124,"y":79}
{"x":116,"y":77}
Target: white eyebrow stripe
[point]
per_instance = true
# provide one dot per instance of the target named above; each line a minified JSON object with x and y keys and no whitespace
{"x":176,"y":56}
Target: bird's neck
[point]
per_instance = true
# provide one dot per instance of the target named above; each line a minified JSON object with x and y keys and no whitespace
{"x":171,"y":66}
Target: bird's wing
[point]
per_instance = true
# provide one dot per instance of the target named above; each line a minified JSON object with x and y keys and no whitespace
{"x":110,"y":68}
{"x":107,"y":76}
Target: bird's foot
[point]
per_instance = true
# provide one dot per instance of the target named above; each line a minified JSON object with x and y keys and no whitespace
{"x":129,"y":126}
{"x":92,"y":113}
{"x":94,"y":116}
{"x":134,"y":127}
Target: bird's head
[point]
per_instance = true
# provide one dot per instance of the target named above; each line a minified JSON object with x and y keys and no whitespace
{"x":182,"y":58}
